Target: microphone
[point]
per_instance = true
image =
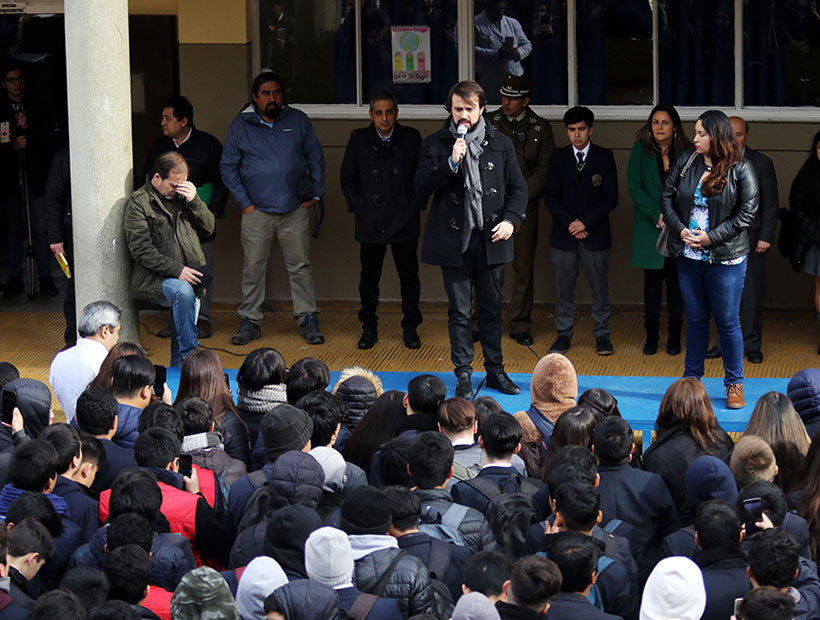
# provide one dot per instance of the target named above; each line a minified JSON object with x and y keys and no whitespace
{"x":461,"y":130}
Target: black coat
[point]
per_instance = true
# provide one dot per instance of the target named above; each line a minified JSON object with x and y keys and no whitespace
{"x":505,"y":197}
{"x":566,"y":606}
{"x":84,"y":510}
{"x":116,"y":459}
{"x":409,"y":583}
{"x":724,"y":575}
{"x":465,"y":494}
{"x":58,"y":198}
{"x":731,"y":212}
{"x":418,"y":544}
{"x":377,"y":181}
{"x":235,"y":438}
{"x":474,"y":529}
{"x":588,"y":195}
{"x":383,"y":609}
{"x":642,"y":499}
{"x":804,"y":392}
{"x":766,"y":218}
{"x":670,"y":456}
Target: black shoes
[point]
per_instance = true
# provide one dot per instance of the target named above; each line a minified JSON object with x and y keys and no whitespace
{"x":247,"y":331}
{"x":755,"y":357}
{"x":522,"y":338}
{"x":603,"y":346}
{"x":501,"y":382}
{"x":370,"y":336}
{"x":13,"y":288}
{"x":713,"y":353}
{"x":204,"y":330}
{"x":561,"y":344}
{"x":464,"y":387}
{"x":310,"y":329}
{"x":48,"y":288}
{"x":411,"y":338}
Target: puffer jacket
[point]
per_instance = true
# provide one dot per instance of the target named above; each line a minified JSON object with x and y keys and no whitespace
{"x":409,"y":583}
{"x":474,"y":529}
{"x":307,"y":600}
{"x":804,"y":392}
{"x":235,"y":438}
{"x":152,"y":232}
{"x":731,"y":212}
{"x":208,"y":454}
{"x":168,"y":562}
{"x":358,"y":388}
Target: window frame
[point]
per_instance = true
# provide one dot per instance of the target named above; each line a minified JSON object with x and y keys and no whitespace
{"x":466,"y":68}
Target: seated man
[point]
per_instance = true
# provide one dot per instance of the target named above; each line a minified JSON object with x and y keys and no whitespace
{"x":30,"y":546}
{"x":534,"y":581}
{"x":73,"y":369}
{"x":430,"y":466}
{"x":576,"y":556}
{"x":164,"y":221}
{"x":97,"y":416}
{"x":82,"y":508}
{"x":132,"y":383}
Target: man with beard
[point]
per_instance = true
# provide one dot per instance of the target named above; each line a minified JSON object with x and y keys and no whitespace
{"x":268,"y":148}
{"x":479,"y":201}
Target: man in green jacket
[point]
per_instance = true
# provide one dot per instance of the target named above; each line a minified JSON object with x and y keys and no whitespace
{"x":164,"y":220}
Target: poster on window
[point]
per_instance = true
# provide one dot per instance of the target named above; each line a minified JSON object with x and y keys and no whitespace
{"x":411,"y":54}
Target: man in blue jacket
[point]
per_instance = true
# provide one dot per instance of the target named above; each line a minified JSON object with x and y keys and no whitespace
{"x":268,"y":148}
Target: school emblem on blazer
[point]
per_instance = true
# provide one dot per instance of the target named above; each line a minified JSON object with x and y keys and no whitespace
{"x":597,"y":179}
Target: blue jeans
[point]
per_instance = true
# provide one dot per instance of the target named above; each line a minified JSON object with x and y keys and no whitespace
{"x":711,"y":289}
{"x":184,"y":311}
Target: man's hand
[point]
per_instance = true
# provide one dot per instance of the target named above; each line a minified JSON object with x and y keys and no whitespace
{"x":19,"y":143}
{"x":22,"y":120}
{"x":248,"y":209}
{"x":191,"y":276}
{"x":459,"y":150}
{"x":514,"y":54}
{"x":192,"y":483}
{"x":187,"y":190}
{"x":577,"y":229}
{"x":551,"y":528}
{"x":503,"y":231}
{"x":16,"y":421}
{"x":762,"y":247}
{"x":167,"y":397}
{"x":57,"y":248}
{"x":660,"y":223}
{"x":307,"y":204}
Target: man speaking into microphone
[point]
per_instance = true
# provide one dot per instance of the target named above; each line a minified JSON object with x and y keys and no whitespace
{"x":479,"y":201}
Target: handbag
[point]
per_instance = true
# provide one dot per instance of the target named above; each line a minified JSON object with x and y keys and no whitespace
{"x":662,"y":244}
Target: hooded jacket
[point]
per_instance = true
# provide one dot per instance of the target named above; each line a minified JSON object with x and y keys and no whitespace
{"x":34,"y":402}
{"x":804,"y":392}
{"x":553,"y":390}
{"x":262,"y":165}
{"x":260,"y":578}
{"x":358,"y":388}
{"x":708,"y":478}
{"x":307,"y":600}
{"x":409,"y":583}
{"x":208,"y":452}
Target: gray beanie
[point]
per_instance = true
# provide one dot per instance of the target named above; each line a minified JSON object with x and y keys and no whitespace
{"x":328,"y":557}
{"x":475,"y":606}
{"x":285,"y":428}
{"x":334,"y":466}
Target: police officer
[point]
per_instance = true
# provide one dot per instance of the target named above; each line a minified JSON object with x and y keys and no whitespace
{"x":532,"y":137}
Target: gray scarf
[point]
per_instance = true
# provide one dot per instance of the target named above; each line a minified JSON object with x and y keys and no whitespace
{"x":474,"y":193}
{"x":262,"y":400}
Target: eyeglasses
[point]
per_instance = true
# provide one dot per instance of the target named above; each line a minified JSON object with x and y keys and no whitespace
{"x":15,"y":80}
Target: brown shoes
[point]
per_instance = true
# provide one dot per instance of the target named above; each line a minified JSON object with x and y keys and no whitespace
{"x":734,"y":396}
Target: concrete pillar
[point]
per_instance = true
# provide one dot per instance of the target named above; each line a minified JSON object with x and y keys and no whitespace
{"x":99,"y":122}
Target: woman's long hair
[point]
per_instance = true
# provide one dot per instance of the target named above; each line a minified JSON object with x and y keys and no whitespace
{"x":574,"y":427}
{"x":679,"y":140}
{"x":203,"y":376}
{"x":809,"y":507}
{"x":776,"y":422}
{"x":723,"y":150}
{"x":379,"y":424}
{"x":687,"y":403}
{"x":105,"y":375}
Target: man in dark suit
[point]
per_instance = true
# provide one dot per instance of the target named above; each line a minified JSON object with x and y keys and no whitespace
{"x":479,"y":201}
{"x":761,"y":236}
{"x":377,"y":180}
{"x":582,"y":188}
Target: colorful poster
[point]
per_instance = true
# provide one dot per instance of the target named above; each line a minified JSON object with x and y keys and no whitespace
{"x":411,"y":54}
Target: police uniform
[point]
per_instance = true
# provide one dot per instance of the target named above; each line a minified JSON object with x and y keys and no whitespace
{"x":532,"y":138}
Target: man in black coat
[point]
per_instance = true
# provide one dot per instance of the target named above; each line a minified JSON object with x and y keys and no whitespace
{"x":582,"y":188}
{"x":533,"y":583}
{"x":761,"y":237}
{"x":377,"y":180}
{"x":479,"y":201}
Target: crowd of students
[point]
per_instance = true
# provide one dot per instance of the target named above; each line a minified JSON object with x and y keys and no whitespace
{"x":301,"y":500}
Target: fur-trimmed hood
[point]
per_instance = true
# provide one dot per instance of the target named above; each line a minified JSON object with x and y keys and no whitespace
{"x":358,"y":388}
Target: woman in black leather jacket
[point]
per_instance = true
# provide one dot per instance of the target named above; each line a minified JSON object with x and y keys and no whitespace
{"x":708,"y":211}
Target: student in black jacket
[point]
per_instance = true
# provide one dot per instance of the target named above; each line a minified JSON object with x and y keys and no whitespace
{"x":534,"y":582}
{"x":582,"y":188}
{"x":637,"y":497}
{"x":486,"y":572}
{"x":30,"y":546}
{"x":576,"y":556}
{"x":723,"y":564}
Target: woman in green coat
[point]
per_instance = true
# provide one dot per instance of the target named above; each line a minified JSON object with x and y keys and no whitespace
{"x":657,"y":144}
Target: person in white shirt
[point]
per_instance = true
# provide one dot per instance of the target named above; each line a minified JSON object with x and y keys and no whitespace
{"x":74,"y":368}
{"x":500,"y":46}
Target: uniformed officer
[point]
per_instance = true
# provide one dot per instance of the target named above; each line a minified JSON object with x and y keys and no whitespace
{"x":532,"y":137}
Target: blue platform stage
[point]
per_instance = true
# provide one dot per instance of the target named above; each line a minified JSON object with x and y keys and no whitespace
{"x":638,"y":397}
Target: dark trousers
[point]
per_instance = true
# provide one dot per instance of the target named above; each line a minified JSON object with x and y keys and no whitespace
{"x":751,"y":304}
{"x":526,"y":239}
{"x":488,"y":281}
{"x":17,"y":234}
{"x":69,"y":301}
{"x":407,"y":267}
{"x":653,"y":281}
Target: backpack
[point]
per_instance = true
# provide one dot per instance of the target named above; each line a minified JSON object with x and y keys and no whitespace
{"x":467,"y":472}
{"x":258,"y":504}
{"x":605,"y":561}
{"x":444,"y":526}
{"x":509,"y":514}
{"x":440,"y":555}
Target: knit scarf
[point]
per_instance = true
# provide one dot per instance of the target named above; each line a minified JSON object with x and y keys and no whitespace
{"x":11,"y":493}
{"x":472,"y":174}
{"x":261,"y":400}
